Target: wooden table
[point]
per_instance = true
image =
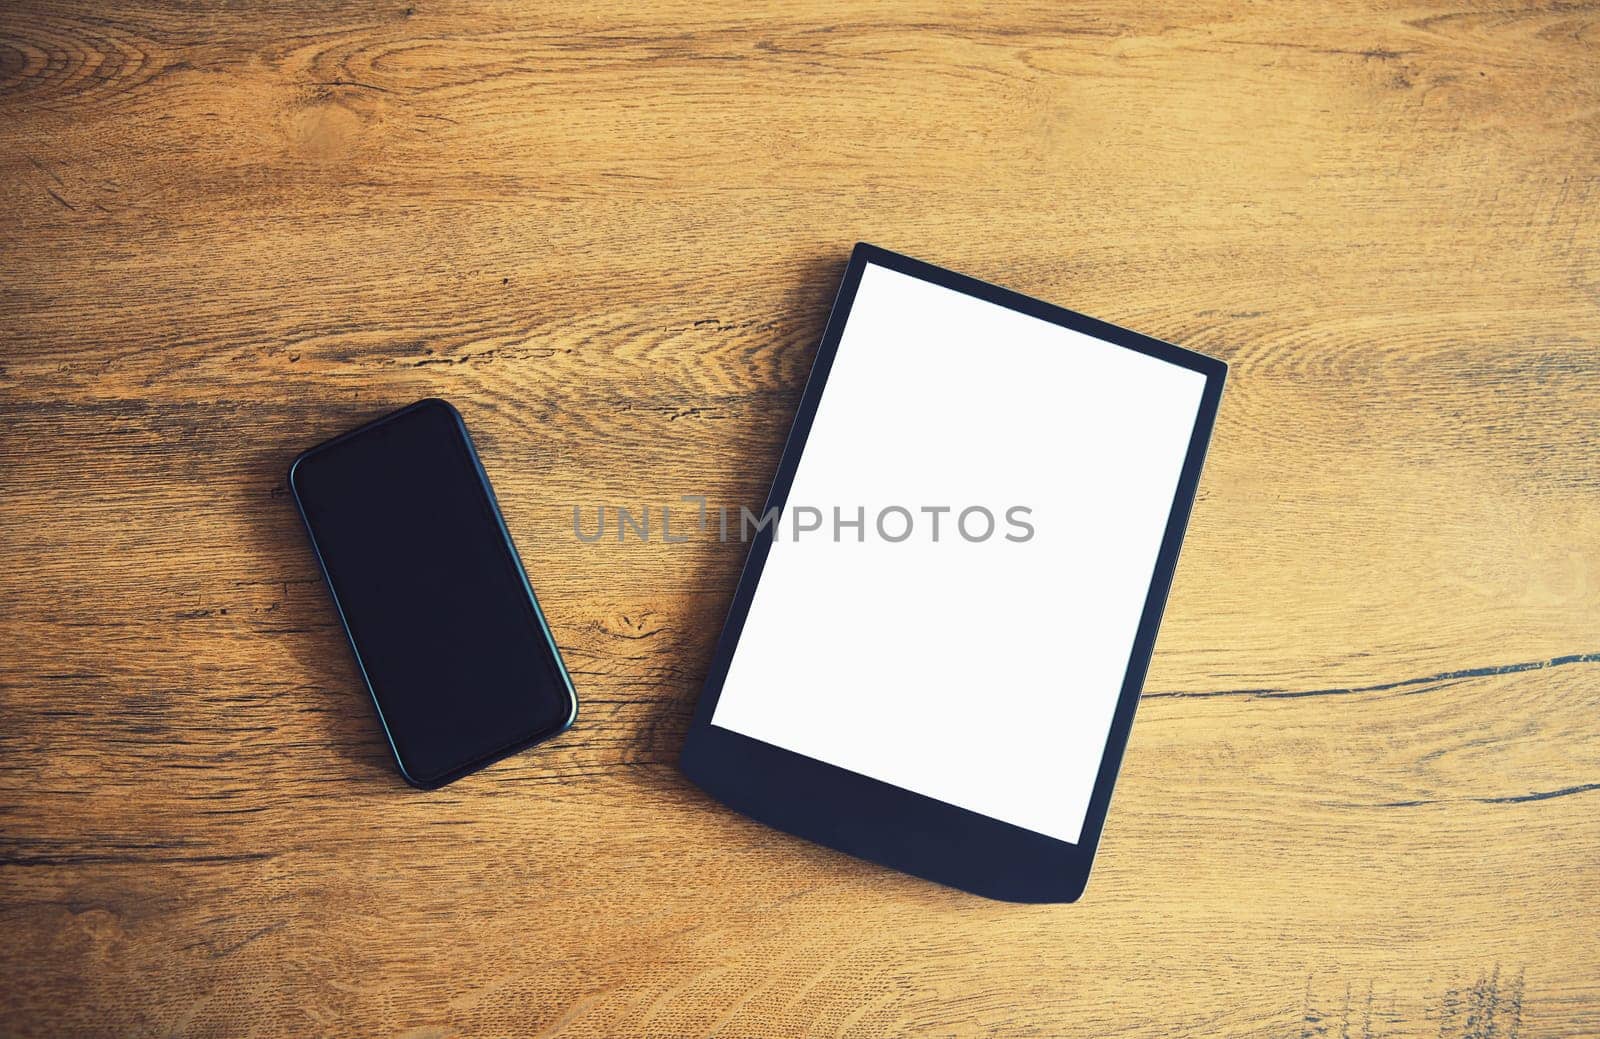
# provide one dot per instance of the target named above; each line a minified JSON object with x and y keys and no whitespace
{"x":1363,"y":793}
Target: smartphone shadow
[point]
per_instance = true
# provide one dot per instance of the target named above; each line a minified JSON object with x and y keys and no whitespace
{"x":298,"y":614}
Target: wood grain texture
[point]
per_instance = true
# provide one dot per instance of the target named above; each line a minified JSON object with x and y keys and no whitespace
{"x":1363,"y":794}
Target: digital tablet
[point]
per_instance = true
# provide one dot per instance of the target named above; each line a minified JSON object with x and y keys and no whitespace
{"x":952,"y":593}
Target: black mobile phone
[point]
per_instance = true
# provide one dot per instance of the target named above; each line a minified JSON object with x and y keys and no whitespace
{"x":444,"y":624}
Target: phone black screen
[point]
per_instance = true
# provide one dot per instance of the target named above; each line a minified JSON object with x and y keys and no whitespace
{"x":443,"y":622}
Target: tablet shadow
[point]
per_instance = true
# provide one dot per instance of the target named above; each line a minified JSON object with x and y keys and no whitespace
{"x":309,"y":627}
{"x":803,"y":317}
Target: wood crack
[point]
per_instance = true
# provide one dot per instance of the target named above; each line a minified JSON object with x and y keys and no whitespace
{"x":1442,"y":678}
{"x":128,"y":859}
{"x":1508,"y":799}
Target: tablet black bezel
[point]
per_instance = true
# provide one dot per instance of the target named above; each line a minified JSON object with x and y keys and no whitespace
{"x":889,"y":824}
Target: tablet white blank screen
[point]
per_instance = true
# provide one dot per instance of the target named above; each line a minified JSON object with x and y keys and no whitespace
{"x":982,"y":673}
